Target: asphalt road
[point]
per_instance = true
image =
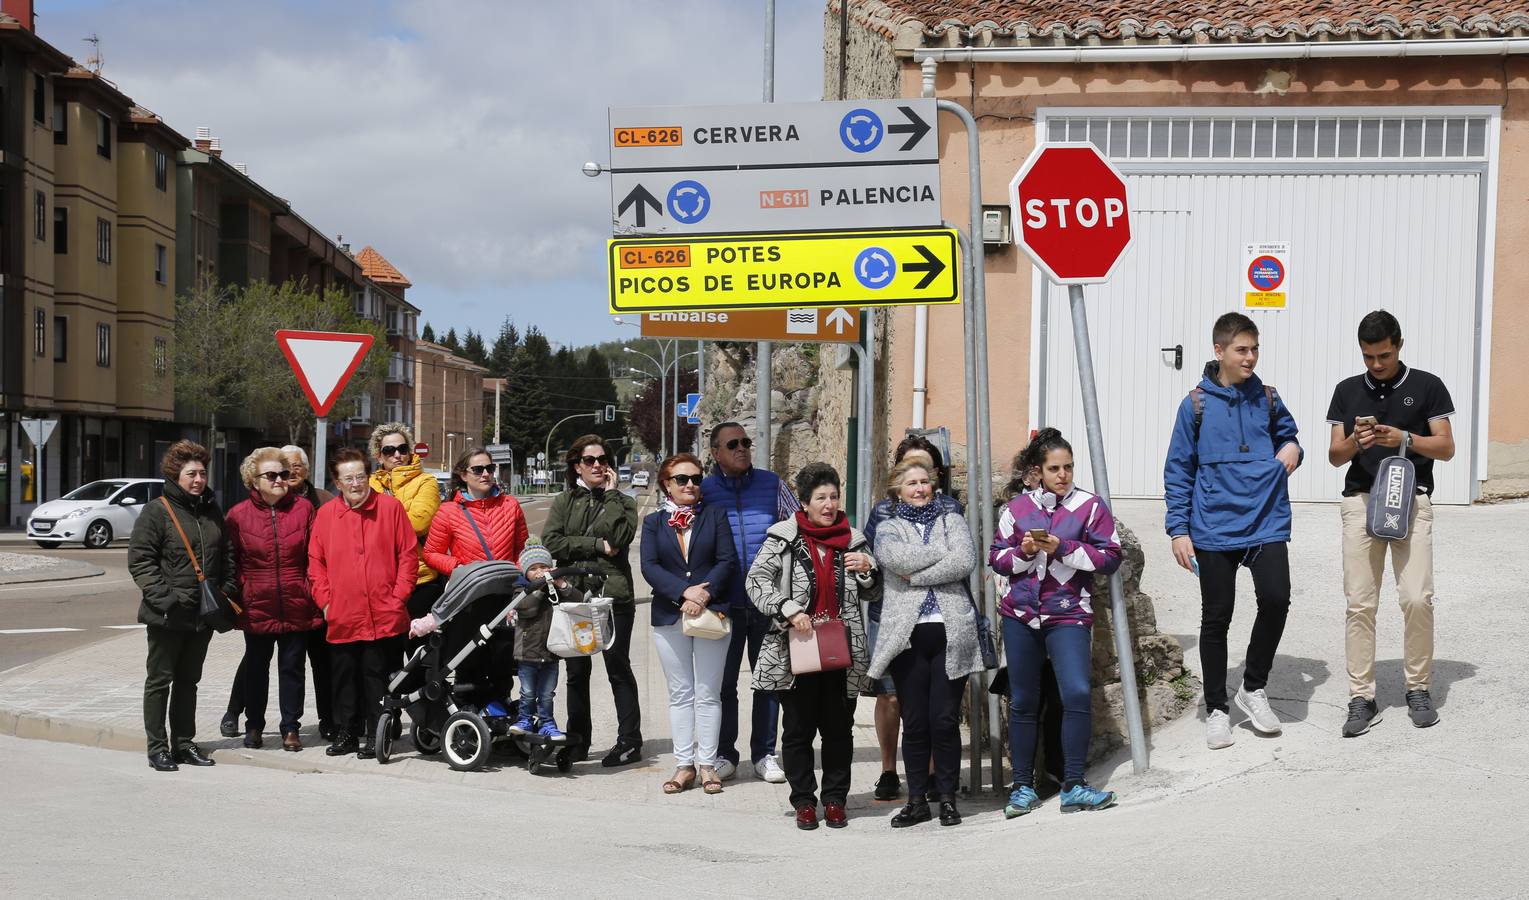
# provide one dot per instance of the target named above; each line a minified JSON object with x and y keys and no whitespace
{"x":93,"y":609}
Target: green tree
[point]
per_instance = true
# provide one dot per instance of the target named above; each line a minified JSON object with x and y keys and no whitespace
{"x":450,"y":341}
{"x":473,"y":349}
{"x":206,"y":355}
{"x":428,"y":334}
{"x":503,"y":352}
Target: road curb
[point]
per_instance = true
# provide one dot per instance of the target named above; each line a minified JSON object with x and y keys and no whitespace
{"x":39,"y":727}
{"x":75,"y":576}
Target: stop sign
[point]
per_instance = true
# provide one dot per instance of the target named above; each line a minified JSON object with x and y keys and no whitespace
{"x":422,"y":450}
{"x":1070,"y":212}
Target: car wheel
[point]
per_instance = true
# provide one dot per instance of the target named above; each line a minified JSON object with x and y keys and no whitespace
{"x":48,"y":545}
{"x":98,"y":535}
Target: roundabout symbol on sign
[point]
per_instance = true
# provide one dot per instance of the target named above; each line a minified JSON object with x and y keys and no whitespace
{"x":860,"y":130}
{"x":875,"y":268}
{"x":689,"y":202}
{"x":1266,"y":273}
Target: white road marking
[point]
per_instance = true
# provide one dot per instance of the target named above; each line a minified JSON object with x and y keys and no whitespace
{"x":124,"y":627}
{"x":37,"y":630}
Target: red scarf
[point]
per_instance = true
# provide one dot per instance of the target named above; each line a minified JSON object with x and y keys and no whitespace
{"x":835,"y":539}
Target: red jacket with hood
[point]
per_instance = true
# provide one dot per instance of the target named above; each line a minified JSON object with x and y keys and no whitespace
{"x":452,"y":541}
{"x":270,"y":545}
{"x":363,"y":563}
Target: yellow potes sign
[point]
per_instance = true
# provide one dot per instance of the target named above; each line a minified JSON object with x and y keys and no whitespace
{"x":883,"y":267}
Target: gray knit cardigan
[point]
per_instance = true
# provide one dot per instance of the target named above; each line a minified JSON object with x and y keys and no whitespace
{"x":910,"y":568}
{"x":780,"y":583}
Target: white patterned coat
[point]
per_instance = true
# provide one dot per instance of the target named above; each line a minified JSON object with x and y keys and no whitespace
{"x":781,"y":584}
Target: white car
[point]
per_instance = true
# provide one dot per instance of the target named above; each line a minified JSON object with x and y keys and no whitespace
{"x":93,"y":514}
{"x":640,"y":479}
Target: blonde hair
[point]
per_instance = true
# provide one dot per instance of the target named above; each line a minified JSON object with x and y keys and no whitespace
{"x":382,"y":431}
{"x":250,"y":468}
{"x":899,"y":471}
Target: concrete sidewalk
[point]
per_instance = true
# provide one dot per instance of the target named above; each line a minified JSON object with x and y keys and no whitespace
{"x":1478,"y":754}
{"x":28,"y":568}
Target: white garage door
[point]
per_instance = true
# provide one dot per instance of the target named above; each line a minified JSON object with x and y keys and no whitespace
{"x":1405,"y":239}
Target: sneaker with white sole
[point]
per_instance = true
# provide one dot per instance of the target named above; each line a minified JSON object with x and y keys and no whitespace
{"x":726,"y":769}
{"x":1218,"y":730}
{"x":1256,"y":705}
{"x":769,"y":769}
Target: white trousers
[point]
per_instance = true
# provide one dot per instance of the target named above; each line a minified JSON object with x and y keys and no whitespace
{"x":693,"y":667}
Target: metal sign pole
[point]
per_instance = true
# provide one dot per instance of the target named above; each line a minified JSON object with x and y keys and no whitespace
{"x":1120,"y":623}
{"x":320,"y":448}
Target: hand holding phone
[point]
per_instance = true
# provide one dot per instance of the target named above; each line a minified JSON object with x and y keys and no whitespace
{"x":1038,"y":535}
{"x":1365,"y":421}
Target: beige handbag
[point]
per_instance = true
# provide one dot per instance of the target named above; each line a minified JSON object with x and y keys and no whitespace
{"x":709,"y":625}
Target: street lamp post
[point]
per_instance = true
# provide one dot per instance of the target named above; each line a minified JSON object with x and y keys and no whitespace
{"x":662,"y":364}
{"x":547,"y":448}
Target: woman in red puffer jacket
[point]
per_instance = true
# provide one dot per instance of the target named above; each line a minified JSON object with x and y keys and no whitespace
{"x":478,"y":506}
{"x":269,"y":535}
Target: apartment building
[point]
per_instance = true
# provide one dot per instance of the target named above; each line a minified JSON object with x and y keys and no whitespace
{"x":448,"y":402}
{"x":380,"y":298}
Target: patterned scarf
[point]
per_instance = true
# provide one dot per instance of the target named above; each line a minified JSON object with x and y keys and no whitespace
{"x":922,"y":517}
{"x":680,"y":517}
{"x":835,"y":540}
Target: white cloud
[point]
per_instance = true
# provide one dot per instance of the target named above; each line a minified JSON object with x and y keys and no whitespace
{"x":449,"y":135}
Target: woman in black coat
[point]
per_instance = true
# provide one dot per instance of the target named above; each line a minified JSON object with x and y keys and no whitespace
{"x":687,"y":558}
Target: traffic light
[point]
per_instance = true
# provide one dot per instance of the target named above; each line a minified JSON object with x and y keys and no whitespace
{"x":610,"y":412}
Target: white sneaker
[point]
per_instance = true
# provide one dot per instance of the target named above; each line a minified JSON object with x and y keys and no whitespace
{"x":726,"y":770}
{"x":1218,"y":731}
{"x":1256,"y":705}
{"x":769,"y":769}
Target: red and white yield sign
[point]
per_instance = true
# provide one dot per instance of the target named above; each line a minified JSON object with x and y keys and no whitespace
{"x":323,"y":362}
{"x":1071,"y":213}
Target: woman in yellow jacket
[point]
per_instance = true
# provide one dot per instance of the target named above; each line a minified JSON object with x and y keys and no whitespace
{"x":400,"y":475}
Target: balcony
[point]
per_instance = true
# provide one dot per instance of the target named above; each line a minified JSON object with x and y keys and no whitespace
{"x":400,"y":370}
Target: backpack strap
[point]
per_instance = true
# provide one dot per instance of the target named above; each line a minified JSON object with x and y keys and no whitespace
{"x":1197,"y":400}
{"x":1269,"y":395}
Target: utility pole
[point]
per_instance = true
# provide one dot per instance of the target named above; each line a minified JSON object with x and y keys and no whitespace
{"x":763,"y":355}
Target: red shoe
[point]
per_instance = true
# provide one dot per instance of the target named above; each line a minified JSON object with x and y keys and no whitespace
{"x":807,"y":817}
{"x":833,"y":815}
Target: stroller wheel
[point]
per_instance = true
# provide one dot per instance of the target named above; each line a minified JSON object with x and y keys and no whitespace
{"x":425,"y":741}
{"x":466,"y":741}
{"x":564,"y":760}
{"x":383,"y":743}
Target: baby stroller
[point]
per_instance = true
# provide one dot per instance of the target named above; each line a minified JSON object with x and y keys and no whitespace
{"x":448,"y":686}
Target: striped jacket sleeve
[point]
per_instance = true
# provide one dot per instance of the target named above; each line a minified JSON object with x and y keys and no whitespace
{"x":1004,"y":556}
{"x":1099,"y":551}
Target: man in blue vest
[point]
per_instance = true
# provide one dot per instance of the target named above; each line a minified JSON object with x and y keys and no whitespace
{"x":754,"y":499}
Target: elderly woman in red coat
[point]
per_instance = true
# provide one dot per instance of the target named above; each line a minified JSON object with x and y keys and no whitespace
{"x":269,"y":533}
{"x":363,"y":559}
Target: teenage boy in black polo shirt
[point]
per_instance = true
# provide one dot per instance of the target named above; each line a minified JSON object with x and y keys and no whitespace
{"x":1411,"y":410}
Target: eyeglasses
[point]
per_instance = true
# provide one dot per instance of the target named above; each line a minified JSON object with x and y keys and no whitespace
{"x":735,"y":443}
{"x":394,"y":449}
{"x":274,"y":477}
{"x":483,"y":470}
{"x":683,"y":480}
{"x":351,"y":479}
{"x":595,"y":460}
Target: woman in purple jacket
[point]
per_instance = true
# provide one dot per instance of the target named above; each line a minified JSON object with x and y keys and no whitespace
{"x":1051,"y":542}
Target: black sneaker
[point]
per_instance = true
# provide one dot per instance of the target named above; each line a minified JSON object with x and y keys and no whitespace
{"x":1362,"y":714}
{"x":621,"y":755}
{"x":1420,"y":709}
{"x":887,"y":786}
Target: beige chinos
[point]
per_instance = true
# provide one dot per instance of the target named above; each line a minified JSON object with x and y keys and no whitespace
{"x":1364,"y":562}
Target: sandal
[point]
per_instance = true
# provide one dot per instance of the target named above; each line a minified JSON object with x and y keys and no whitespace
{"x":710,"y":783}
{"x":681,"y":782}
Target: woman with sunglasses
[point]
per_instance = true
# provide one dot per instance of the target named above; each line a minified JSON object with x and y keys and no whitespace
{"x":593,"y":521}
{"x":687,"y":557}
{"x":269,"y":533}
{"x":401,"y":475}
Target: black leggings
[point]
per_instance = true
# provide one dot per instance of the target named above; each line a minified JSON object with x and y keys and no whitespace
{"x":931,"y":712}
{"x":1270,"y":565}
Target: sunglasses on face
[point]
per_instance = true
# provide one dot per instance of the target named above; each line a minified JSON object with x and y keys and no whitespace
{"x":274,"y":477}
{"x":595,"y":460}
{"x":483,"y":470}
{"x":683,"y":480}
{"x":394,"y":449}
{"x":735,"y":443}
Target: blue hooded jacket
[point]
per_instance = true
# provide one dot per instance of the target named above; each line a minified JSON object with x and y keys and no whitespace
{"x":1226,"y":491}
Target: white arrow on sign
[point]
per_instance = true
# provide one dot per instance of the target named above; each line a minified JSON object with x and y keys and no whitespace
{"x":841,"y":319}
{"x":39,"y":430}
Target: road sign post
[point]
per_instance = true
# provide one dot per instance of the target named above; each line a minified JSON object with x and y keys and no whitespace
{"x":1073,"y":218}
{"x":323,"y":362}
{"x":39,"y":431}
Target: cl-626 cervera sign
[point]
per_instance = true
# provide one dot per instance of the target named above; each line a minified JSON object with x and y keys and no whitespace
{"x":774,"y":167}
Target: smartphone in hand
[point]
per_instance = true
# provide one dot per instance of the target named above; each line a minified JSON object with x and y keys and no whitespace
{"x":1038,"y":534}
{"x":1365,"y":420}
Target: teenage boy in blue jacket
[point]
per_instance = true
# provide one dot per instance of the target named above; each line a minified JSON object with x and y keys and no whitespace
{"x":1226,"y":485}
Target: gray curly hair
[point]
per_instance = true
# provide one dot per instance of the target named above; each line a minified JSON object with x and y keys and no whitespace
{"x":382,"y":431}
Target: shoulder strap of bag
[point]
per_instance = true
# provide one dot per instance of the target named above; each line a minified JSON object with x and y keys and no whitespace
{"x":487,"y":553}
{"x":184,"y":540}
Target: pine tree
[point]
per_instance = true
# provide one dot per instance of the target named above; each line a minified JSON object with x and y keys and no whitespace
{"x":428,"y":334}
{"x":450,"y":342}
{"x":473,"y":349}
{"x":502,"y":354}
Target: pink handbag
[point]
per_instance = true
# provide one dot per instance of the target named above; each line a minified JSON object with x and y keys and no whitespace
{"x":824,"y":649}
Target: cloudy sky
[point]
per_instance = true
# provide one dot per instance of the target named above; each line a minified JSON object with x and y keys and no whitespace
{"x":449,"y":134}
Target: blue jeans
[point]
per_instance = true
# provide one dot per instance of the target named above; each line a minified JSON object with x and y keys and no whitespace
{"x":749,"y":629}
{"x":1070,"y":648}
{"x":538,"y":683}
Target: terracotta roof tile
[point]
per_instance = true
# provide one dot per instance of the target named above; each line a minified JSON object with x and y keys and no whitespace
{"x":378,"y":269}
{"x":1067,"y":21}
